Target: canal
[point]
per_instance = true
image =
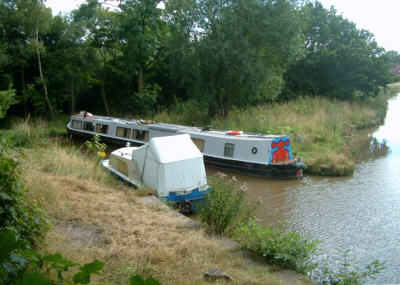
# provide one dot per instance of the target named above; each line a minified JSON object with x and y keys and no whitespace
{"x":359,"y":213}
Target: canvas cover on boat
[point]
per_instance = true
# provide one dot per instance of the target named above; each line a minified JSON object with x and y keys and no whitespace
{"x":170,"y":164}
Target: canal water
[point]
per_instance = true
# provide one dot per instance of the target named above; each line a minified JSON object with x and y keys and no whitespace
{"x":359,"y":213}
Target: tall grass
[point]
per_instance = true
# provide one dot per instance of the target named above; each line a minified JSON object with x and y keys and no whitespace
{"x":326,"y":126}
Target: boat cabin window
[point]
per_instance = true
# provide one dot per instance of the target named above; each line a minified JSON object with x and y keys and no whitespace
{"x":229,"y":148}
{"x":101,"y":128}
{"x":141,"y":135}
{"x":123,"y":132}
{"x":77,"y":124}
{"x":88,"y":126}
{"x":199,"y":143}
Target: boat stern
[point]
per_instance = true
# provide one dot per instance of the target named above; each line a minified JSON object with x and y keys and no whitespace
{"x":281,"y":160}
{"x":188,"y":202}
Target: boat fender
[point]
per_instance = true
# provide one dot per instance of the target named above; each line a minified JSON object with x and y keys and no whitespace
{"x":301,"y":165}
{"x":234,"y":133}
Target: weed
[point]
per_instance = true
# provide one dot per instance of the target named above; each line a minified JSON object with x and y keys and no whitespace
{"x":345,"y":273}
{"x":22,"y":266}
{"x":286,"y":249}
{"x":96,"y":148}
{"x":23,"y":217}
{"x":226,"y":205}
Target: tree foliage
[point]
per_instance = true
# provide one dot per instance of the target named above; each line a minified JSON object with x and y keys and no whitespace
{"x":341,"y":61}
{"x":142,"y":56}
{"x":7,"y":98}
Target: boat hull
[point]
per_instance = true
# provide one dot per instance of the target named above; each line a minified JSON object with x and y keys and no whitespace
{"x":186,"y":203}
{"x":276,"y":171}
{"x":273,"y":171}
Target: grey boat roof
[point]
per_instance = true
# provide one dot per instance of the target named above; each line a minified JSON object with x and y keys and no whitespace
{"x":178,"y":128}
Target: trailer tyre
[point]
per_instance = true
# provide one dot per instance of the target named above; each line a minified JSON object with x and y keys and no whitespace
{"x":185,"y":207}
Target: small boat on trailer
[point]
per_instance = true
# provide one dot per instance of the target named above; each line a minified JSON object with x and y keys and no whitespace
{"x":173,"y":166}
{"x":262,"y":155}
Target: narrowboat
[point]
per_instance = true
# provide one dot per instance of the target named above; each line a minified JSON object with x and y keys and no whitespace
{"x":262,"y":155}
{"x":172,"y":165}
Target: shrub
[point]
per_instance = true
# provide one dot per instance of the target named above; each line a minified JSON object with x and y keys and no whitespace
{"x":25,"y":219}
{"x":345,"y":273}
{"x":97,"y":148}
{"x":286,"y":249}
{"x":226,"y":205}
{"x":21,"y":140}
{"x":21,"y":266}
{"x":7,"y":98}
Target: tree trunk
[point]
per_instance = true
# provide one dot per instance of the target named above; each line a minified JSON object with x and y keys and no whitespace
{"x":72,"y":95}
{"x":46,"y":97}
{"x":212,"y":107}
{"x":103,"y":91}
{"x":24,"y":93}
{"x":140,"y":78}
{"x":227,"y":104}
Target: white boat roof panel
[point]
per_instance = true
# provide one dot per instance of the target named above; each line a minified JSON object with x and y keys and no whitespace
{"x":184,"y":129}
{"x":174,"y":148}
{"x":165,"y":127}
{"x":223,"y":134}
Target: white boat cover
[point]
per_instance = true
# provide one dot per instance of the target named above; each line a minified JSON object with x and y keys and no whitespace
{"x":171,"y":164}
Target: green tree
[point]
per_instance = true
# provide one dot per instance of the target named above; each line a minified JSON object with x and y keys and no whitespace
{"x":245,"y":48}
{"x":140,"y":32}
{"x":35,"y":20}
{"x":67,"y":59}
{"x":340,"y":59}
{"x":100,"y":25}
{"x":13,"y":51}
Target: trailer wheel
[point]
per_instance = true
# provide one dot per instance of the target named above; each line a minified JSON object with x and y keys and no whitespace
{"x":185,"y":207}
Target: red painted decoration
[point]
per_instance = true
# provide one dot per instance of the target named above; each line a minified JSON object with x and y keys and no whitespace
{"x":281,"y":153}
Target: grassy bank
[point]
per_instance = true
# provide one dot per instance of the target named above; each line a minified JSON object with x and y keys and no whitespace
{"x":326,"y":126}
{"x":97,"y":217}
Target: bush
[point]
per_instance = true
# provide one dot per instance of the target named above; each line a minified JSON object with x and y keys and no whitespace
{"x":18,"y":214}
{"x":345,"y":273}
{"x":226,"y":205}
{"x":97,"y":148}
{"x":286,"y":249}
{"x":21,"y":266}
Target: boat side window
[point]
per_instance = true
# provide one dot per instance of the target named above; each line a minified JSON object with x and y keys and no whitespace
{"x":229,"y":148}
{"x":141,"y":135}
{"x":199,"y":143}
{"x":88,"y":126}
{"x":101,"y":128}
{"x":77,"y":124}
{"x":123,"y":132}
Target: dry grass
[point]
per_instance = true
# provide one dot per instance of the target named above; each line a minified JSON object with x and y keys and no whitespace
{"x":95,"y":218}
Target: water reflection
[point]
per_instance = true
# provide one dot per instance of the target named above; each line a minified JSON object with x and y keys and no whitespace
{"x":389,"y":132}
{"x":369,"y":147}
